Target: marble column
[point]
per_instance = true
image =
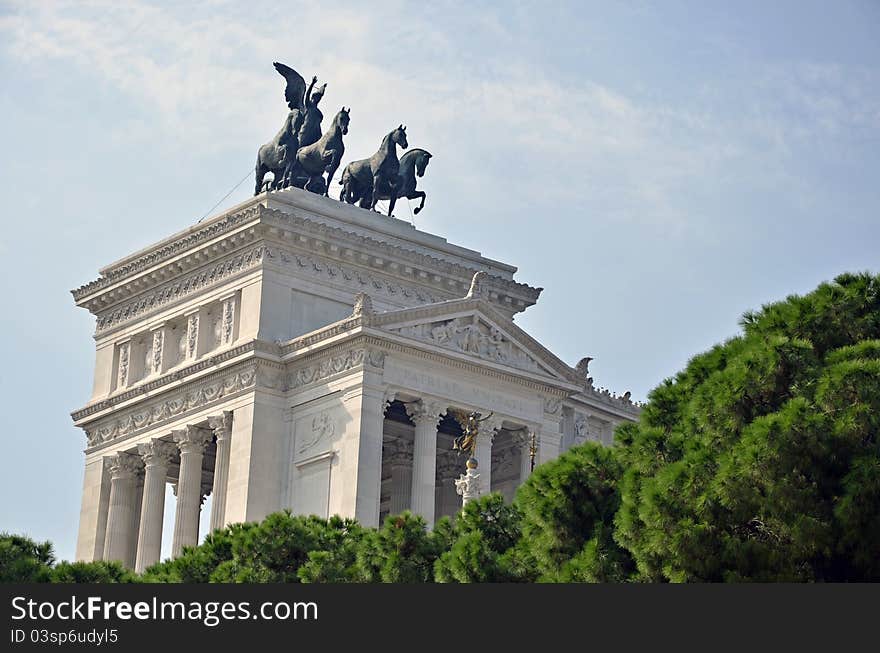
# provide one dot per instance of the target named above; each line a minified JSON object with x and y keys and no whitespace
{"x":134,"y":527}
{"x":157,"y":455}
{"x":483,"y":453}
{"x":426,"y":416}
{"x":222,"y":428}
{"x":124,"y":468}
{"x":191,"y":442}
{"x":525,"y":460}
{"x":401,"y":482}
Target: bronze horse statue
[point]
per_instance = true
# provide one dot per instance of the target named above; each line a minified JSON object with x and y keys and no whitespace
{"x":322,"y":156}
{"x":412,"y":165}
{"x":277,"y":155}
{"x":366,"y":179}
{"x":301,"y":127}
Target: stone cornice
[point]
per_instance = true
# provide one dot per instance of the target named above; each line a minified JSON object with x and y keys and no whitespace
{"x":167,"y":250}
{"x":612,"y":403}
{"x":157,"y":273}
{"x":382,"y":249}
{"x":179,"y":289}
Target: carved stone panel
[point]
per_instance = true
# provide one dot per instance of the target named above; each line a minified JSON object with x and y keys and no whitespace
{"x":471,"y":335}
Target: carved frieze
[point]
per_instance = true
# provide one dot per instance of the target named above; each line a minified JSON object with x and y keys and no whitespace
{"x":154,"y":413}
{"x":471,"y":335}
{"x":330,"y":365}
{"x":181,"y":288}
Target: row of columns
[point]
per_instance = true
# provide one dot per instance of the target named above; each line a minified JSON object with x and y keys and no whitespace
{"x":426,"y":414}
{"x":137,"y":492}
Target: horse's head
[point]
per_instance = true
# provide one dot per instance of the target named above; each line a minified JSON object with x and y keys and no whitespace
{"x":399,"y":136}
{"x":341,"y":120}
{"x":422,"y":162}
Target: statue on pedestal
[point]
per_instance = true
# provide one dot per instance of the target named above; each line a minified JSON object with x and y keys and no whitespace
{"x":467,"y":485}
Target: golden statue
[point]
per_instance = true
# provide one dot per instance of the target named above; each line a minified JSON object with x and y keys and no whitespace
{"x":470,"y":424}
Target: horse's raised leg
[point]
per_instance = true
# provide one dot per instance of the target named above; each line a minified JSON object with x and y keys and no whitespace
{"x":415,"y":194}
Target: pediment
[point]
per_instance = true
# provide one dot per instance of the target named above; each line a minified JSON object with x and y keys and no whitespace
{"x":473,"y":328}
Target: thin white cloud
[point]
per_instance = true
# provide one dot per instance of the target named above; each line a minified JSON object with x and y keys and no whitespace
{"x":202,"y":72}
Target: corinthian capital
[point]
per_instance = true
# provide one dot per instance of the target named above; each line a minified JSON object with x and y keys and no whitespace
{"x":491,"y":426}
{"x":124,"y":465}
{"x":192,"y":439}
{"x":426,"y":411}
{"x":157,"y":452}
{"x":221,"y":425}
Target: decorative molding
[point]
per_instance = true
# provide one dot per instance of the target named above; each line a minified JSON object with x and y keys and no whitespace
{"x":471,"y":335}
{"x":177,"y":290}
{"x":192,"y":335}
{"x":423,"y":267}
{"x":168,"y":251}
{"x":205,"y":363}
{"x":153,"y":413}
{"x":330,"y":365}
{"x":355,"y":278}
{"x":123,"y":365}
{"x":388,"y":251}
{"x":327,"y":332}
{"x":228,"y":321}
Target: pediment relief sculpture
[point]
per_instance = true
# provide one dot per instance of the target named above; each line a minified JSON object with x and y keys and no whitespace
{"x":471,"y":335}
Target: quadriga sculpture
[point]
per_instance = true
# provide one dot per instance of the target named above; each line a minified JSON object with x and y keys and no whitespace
{"x":365,"y":180}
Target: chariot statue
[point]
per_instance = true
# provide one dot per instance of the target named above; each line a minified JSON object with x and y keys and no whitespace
{"x":301,"y":127}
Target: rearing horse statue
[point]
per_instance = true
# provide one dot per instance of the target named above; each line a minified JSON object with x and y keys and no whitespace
{"x":366,"y":179}
{"x":324,"y":155}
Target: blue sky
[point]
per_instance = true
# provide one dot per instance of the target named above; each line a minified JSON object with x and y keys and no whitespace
{"x":659,"y":168}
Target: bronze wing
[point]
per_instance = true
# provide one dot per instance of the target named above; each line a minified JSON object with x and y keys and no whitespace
{"x":296,"y":86}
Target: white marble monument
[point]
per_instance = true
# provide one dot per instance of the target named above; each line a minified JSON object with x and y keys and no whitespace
{"x":297,"y":352}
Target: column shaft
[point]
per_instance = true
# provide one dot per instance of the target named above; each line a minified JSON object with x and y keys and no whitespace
{"x":525,"y":461}
{"x":426,"y":415}
{"x":135,"y":525}
{"x":123,"y":471}
{"x":157,"y":456}
{"x":191,"y":443}
{"x":222,"y":427}
{"x":401,"y":485}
